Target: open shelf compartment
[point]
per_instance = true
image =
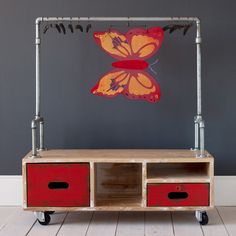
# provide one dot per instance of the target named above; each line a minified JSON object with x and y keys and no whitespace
{"x":178,"y":172}
{"x":118,"y":184}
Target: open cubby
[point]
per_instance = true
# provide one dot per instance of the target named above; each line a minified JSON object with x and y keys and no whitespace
{"x":180,"y":172}
{"x":118,"y":184}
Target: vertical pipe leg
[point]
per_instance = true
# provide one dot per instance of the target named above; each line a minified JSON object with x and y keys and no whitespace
{"x":37,"y":69}
{"x":202,"y":141}
{"x":33,"y":128}
{"x":196,"y":126}
{"x":41,"y":134}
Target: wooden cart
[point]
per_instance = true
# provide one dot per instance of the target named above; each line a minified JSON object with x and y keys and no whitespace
{"x":118,"y":180}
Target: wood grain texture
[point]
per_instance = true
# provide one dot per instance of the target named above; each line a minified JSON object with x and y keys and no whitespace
{"x":228,"y":215}
{"x":92,"y":184}
{"x":130,"y":223}
{"x":117,"y":155}
{"x":158,"y":223}
{"x":185,"y":223}
{"x":119,"y":177}
{"x":178,"y":172}
{"x":103,"y":223}
{"x":118,"y":184}
{"x":75,"y":224}
{"x":18,"y":225}
{"x":6,"y":213}
{"x":133,"y":206}
{"x":125,"y":223}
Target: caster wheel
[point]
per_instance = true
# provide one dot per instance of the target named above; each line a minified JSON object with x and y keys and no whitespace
{"x":204,"y":220}
{"x":50,"y":212}
{"x":47,"y":219}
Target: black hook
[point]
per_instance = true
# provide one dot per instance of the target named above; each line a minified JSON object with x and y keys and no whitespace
{"x":187,"y":27}
{"x":62,"y":28}
{"x":46,"y":28}
{"x":80,"y":27}
{"x":88,"y":27}
{"x":58,"y":28}
{"x":174,"y":27}
{"x":70,"y":26}
{"x":128,"y":24}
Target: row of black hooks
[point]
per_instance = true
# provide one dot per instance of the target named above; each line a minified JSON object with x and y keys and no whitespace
{"x":173,"y":27}
{"x":62,"y":28}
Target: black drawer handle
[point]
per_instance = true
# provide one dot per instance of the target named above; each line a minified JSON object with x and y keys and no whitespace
{"x":177,"y":195}
{"x":58,"y":185}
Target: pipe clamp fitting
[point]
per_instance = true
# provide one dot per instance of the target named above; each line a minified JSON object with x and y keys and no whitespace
{"x":37,"y":41}
{"x":198,"y":40}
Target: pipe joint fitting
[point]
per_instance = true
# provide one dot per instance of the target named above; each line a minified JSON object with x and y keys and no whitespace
{"x":201,"y":124}
{"x":38,"y":20}
{"x":198,"y":40}
{"x":33,"y":124}
{"x":197,"y":119}
{"x":37,"y":41}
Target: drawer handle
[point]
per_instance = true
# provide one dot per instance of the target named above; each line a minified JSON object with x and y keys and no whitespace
{"x":177,"y":195}
{"x":58,"y":185}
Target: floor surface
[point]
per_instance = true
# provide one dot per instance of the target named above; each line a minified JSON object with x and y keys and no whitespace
{"x":16,"y":222}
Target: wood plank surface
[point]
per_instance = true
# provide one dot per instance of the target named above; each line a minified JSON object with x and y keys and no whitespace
{"x":103,"y":223}
{"x":76,"y":224}
{"x":158,"y":224}
{"x":185,"y":223}
{"x":215,"y":227}
{"x":51,"y":229}
{"x":121,"y":206}
{"x":130,"y":223}
{"x":117,"y":155}
{"x":6,"y":213}
{"x":228,"y":215}
{"x":19,"y":224}
{"x":222,"y":222}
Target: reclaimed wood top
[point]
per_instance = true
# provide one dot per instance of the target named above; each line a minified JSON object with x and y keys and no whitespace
{"x":117,"y":155}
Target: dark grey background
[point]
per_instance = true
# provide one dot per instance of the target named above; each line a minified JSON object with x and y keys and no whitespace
{"x":72,"y":64}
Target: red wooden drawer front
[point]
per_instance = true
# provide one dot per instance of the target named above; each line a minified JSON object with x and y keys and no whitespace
{"x":178,"y":194}
{"x":58,"y":185}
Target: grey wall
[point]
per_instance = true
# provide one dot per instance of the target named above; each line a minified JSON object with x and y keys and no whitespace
{"x":73,"y":63}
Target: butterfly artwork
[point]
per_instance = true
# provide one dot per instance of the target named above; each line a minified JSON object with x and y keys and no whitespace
{"x":129,"y":76}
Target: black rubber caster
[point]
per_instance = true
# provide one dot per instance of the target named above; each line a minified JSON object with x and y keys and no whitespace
{"x":47,"y":219}
{"x":50,"y":212}
{"x":204,"y":220}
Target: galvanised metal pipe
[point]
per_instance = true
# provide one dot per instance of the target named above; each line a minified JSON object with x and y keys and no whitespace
{"x":199,"y":87}
{"x":41,"y":134}
{"x":37,"y":69}
{"x":33,"y":128}
{"x":202,"y":142}
{"x":47,"y":19}
{"x":128,"y":19}
{"x":196,"y":126}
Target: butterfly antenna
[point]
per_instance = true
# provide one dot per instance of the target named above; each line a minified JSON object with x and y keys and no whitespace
{"x":155,"y":62}
{"x":150,"y":66}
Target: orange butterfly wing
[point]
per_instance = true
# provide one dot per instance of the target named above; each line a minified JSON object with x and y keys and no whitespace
{"x":111,"y":84}
{"x":137,"y":43}
{"x":114,"y":43}
{"x":142,"y":86}
{"x":135,"y":85}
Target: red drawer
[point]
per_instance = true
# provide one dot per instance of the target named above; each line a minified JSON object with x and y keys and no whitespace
{"x":58,"y":185}
{"x":187,"y":194}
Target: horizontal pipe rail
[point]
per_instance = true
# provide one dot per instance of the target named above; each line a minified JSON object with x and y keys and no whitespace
{"x":47,"y":19}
